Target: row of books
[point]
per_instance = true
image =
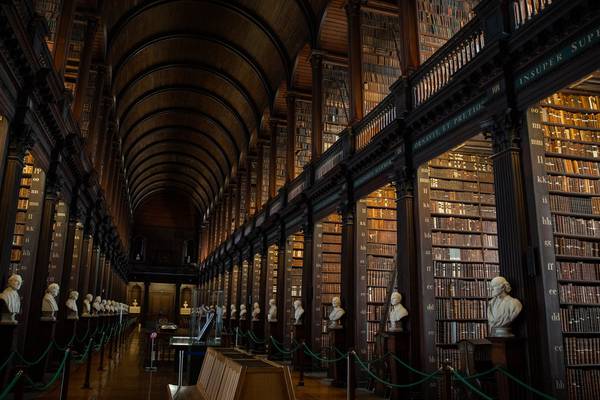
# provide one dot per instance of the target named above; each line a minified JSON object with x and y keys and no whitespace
{"x":570,"y":293}
{"x":447,"y":207}
{"x":465,"y":175}
{"x":464,"y":240}
{"x":331,"y":258}
{"x":575,"y":101}
{"x":576,"y":247}
{"x":576,"y":205}
{"x":378,"y":278}
{"x":451,"y":332}
{"x":379,"y":263}
{"x":578,"y":271}
{"x":580,"y":319}
{"x":456,"y":254}
{"x":582,"y":351}
{"x":583,"y":384}
{"x":376,"y":294}
{"x":461,"y":162}
{"x":336,"y":102}
{"x":481,"y":198}
{"x":281,"y":157}
{"x":381,"y":249}
{"x":461,"y":185}
{"x":577,"y":185}
{"x":558,"y":146}
{"x":330,"y":268}
{"x":582,"y":119}
{"x":376,"y":236}
{"x":460,"y":270}
{"x":461,"y":288}
{"x":382,"y":213}
{"x":384,"y":224}
{"x":571,"y":134}
{"x":265,"y":174}
{"x":461,"y":309}
{"x":568,"y":166}
{"x":464,"y":224}
{"x":576,"y":226}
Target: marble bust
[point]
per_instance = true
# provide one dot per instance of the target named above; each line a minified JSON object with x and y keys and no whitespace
{"x":255,"y":312}
{"x":272,"y":315}
{"x":10,"y":304}
{"x":49,"y":305}
{"x":336,"y":314}
{"x":185,"y":304}
{"x":87,"y":305}
{"x":298,"y":312}
{"x":396,"y":313}
{"x":108,"y":307}
{"x":233,"y":313}
{"x":72,"y":310}
{"x":135,"y":303}
{"x":97,"y":305}
{"x":103,"y":306}
{"x":243,"y":312}
{"x":502,"y":309}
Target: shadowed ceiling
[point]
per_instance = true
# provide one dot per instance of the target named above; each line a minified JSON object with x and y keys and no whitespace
{"x":192,"y":78}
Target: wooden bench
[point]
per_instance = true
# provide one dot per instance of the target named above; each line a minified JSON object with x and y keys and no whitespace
{"x":229,"y":374}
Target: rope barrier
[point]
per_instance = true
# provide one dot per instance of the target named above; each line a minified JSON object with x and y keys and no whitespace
{"x":40,"y":358}
{"x":8,"y":359}
{"x":11,"y":385}
{"x":526,"y":386}
{"x":42,"y":387}
{"x":309,"y":352}
{"x":470,"y":386}
{"x":281,"y":349}
{"x":427,"y":378}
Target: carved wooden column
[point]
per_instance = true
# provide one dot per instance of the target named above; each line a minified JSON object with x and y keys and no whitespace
{"x":290,"y":161}
{"x":273,"y":159}
{"x":308,"y":276}
{"x":278,"y":332}
{"x":355,"y":60}
{"x":63,"y":36}
{"x":95,"y":265}
{"x":83,"y":286}
{"x":408,"y":42}
{"x":248,"y":300}
{"x":316,"y":62}
{"x":84,"y":68}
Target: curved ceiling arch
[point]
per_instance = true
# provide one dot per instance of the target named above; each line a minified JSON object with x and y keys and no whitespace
{"x":165,"y":186}
{"x":148,"y":196}
{"x":166,"y":166}
{"x":196,"y":36}
{"x":181,"y":174}
{"x":173,"y":133}
{"x":183,"y":110}
{"x":188,"y":88}
{"x":172,"y":179}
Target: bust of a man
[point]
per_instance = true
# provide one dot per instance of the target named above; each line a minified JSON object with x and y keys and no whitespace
{"x":87,"y":305}
{"x":272,"y":315}
{"x":10,"y":302}
{"x":502,"y":309}
{"x":243,"y":312}
{"x":233,"y":313}
{"x":185,"y":304}
{"x":255,"y":312}
{"x":97,"y":305}
{"x":72,"y":310}
{"x":103,"y":306}
{"x":336,"y":314}
{"x":135,"y":303}
{"x":298,"y":312}
{"x":397,"y":312}
{"x":49,"y":305}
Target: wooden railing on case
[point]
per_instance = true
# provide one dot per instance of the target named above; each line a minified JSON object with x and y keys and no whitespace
{"x":439,"y":69}
{"x":297,"y":186}
{"x":331,"y":157}
{"x":374,"y":122}
{"x":525,"y":10}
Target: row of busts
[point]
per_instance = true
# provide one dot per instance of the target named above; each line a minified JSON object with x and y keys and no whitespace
{"x":10,"y":303}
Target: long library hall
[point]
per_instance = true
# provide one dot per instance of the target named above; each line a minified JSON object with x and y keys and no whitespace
{"x":300,"y":199}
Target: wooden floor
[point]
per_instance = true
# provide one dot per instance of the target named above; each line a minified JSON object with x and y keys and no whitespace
{"x":125,"y":378}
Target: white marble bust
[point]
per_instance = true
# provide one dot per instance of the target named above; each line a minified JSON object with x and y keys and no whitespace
{"x":336,"y":314}
{"x":255,"y":312}
{"x":223,"y":311}
{"x":298,"y":312}
{"x":11,"y":302}
{"x":97,"y":305}
{"x":243,"y":312}
{"x":396,"y":313}
{"x":49,"y":305}
{"x":103,"y":306}
{"x":135,"y":303}
{"x":502,"y":309}
{"x":185,"y":304}
{"x":233,"y":313}
{"x":87,"y":305}
{"x":272,"y":315}
{"x":72,"y":310}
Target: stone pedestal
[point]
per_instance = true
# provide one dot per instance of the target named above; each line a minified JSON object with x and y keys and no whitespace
{"x":398,"y":343}
{"x":45,"y":335}
{"x":84,"y":325}
{"x":7,"y":345}
{"x":510,"y":354}
{"x":337,"y":340}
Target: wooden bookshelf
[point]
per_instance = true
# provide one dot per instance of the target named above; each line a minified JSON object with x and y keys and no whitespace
{"x":50,"y":10}
{"x":459,"y":251}
{"x":252,"y":190}
{"x":380,"y":33}
{"x":569,"y":180}
{"x":76,"y":44}
{"x":336,"y":101}
{"x":19,"y":236}
{"x":327,"y":276}
{"x":293,"y":279}
{"x":235,"y":276}
{"x":244,"y":277}
{"x":280,"y":162}
{"x":303,"y":135}
{"x":226,"y":299}
{"x":265,"y":176}
{"x":272,"y":262}
{"x":377,"y":224}
{"x":57,"y":246}
{"x":439,"y":20}
{"x":255,"y":281}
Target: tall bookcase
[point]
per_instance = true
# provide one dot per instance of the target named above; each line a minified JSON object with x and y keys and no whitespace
{"x":244,"y":277}
{"x":19,"y":237}
{"x":280,"y":161}
{"x":50,"y":10}
{"x":564,"y":132}
{"x":335,"y":102}
{"x":459,"y":246}
{"x":380,"y":33}
{"x":86,"y":118}
{"x":264,"y":196}
{"x":76,"y":258}
{"x":376,"y":255}
{"x":252,"y":191}
{"x":235,"y":276}
{"x":272,"y":260}
{"x":327,"y":275}
{"x":243,"y":176}
{"x":303,"y":135}
{"x":226,"y":299}
{"x":57,"y":247}
{"x":76,"y":44}
{"x":256,"y":281}
{"x":439,"y":20}
{"x":293,"y":279}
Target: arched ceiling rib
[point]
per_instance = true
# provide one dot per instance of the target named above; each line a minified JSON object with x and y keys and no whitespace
{"x":191,"y":78}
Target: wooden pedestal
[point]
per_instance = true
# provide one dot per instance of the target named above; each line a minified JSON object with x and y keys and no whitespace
{"x":7,"y":345}
{"x":337,"y":340}
{"x":84,"y":325}
{"x":397,"y":343}
{"x":258,"y":329}
{"x":510,"y":354}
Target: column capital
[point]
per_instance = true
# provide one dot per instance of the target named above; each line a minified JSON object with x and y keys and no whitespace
{"x":504,"y":130}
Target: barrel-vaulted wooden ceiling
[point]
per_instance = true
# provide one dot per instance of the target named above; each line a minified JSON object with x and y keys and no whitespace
{"x":192,"y":79}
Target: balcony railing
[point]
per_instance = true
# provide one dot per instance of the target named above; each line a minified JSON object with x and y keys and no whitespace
{"x":525,"y":10}
{"x":331,"y":157}
{"x":375,"y":121}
